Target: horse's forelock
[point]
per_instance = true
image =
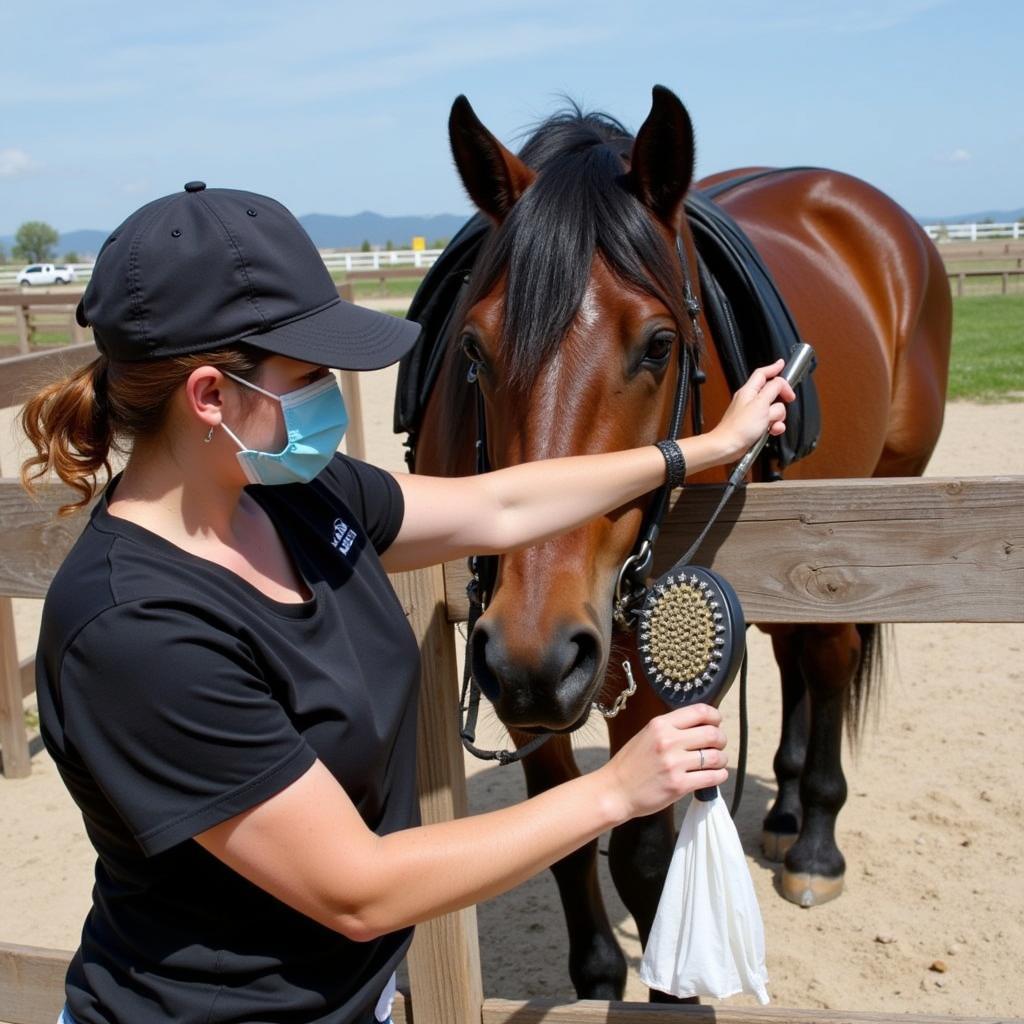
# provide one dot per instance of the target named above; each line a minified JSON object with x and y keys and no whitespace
{"x":577,"y":206}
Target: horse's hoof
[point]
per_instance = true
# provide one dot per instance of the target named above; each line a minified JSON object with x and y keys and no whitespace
{"x":808,"y":890}
{"x":776,"y":844}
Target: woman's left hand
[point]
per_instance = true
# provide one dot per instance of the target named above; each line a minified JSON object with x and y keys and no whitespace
{"x":759,"y":405}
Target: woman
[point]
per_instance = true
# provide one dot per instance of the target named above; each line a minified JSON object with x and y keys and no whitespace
{"x":227,"y":682}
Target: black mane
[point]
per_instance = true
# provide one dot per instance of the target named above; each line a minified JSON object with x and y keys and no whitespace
{"x":578,"y":205}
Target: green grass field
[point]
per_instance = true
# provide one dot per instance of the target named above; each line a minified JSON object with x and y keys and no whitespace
{"x":390,"y":288}
{"x":987,"y":360}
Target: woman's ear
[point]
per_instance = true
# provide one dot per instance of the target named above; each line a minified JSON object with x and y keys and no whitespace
{"x":661,"y":166}
{"x":203,"y":395}
{"x":494,"y":177}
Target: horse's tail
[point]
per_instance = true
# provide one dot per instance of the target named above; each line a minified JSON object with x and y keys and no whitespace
{"x":864,"y":691}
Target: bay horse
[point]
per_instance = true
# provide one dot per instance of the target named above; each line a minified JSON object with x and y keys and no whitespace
{"x":571,"y":314}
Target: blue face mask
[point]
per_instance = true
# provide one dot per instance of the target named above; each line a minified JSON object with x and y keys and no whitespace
{"x":315,"y":418}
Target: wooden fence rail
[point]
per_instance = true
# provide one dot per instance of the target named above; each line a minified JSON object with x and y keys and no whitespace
{"x":63,"y":305}
{"x":32,"y":992}
{"x":962,"y":275}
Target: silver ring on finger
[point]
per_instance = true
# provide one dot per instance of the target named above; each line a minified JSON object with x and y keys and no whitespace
{"x":701,"y":755}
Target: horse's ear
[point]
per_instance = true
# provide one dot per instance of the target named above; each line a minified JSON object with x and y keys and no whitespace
{"x":661,"y":167}
{"x":494,"y":177}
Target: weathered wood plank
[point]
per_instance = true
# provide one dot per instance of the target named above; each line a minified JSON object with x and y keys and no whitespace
{"x":355,"y":436}
{"x":13,"y":738}
{"x":21,"y":376}
{"x":892,"y":550}
{"x":33,"y":541}
{"x":32,"y":986}
{"x":28,"y":676}
{"x":21,"y":322}
{"x":385,"y":273}
{"x":899,"y":549}
{"x":24,"y":300}
{"x":444,"y":960}
{"x":594,"y":1011}
{"x":32,"y":992}
{"x":31,"y":983}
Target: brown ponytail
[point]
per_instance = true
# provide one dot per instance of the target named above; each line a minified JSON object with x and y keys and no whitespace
{"x":75,"y":423}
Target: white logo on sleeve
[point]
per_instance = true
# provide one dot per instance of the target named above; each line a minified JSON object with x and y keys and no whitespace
{"x":343,"y":536}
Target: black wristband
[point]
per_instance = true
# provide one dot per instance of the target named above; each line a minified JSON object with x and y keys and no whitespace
{"x":675,"y":462}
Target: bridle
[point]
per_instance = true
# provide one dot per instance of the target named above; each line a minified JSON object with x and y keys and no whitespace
{"x":630,"y":584}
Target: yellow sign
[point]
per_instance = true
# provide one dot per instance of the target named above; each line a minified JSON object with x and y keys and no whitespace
{"x":419,"y":243}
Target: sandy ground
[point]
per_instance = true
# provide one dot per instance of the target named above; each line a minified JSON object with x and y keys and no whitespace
{"x":933,"y":830}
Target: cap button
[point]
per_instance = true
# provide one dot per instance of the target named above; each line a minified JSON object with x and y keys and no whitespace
{"x":195,"y":186}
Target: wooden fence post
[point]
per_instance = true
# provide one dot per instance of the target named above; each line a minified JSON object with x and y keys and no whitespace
{"x":21,"y":319}
{"x":355,"y":436}
{"x":444,"y":960}
{"x":31,"y":983}
{"x":13,"y":740}
{"x":78,"y":332}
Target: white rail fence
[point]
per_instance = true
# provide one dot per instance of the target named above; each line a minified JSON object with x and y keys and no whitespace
{"x":425,"y":257}
{"x":973,"y":232}
{"x":333,"y":260}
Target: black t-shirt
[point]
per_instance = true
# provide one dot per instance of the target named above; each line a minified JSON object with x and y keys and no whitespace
{"x":174,"y":695}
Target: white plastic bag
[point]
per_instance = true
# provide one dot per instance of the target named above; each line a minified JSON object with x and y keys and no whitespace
{"x":707,"y":938}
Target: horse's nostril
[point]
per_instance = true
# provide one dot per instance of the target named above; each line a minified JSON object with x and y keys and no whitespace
{"x":580,"y":674}
{"x":483,"y":673}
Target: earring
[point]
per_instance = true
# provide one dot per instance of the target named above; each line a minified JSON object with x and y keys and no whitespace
{"x":209,"y":436}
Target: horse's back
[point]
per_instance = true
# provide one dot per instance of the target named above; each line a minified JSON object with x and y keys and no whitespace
{"x":868,"y":290}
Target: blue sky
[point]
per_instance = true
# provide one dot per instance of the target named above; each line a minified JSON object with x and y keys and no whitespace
{"x":338,"y":107}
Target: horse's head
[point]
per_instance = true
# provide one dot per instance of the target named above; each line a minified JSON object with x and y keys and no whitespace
{"x":574,"y":313}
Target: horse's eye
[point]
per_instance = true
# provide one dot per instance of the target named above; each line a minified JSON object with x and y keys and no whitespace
{"x":471,"y":348}
{"x":659,"y":347}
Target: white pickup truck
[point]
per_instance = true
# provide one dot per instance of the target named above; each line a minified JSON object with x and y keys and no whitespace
{"x":46,"y":273}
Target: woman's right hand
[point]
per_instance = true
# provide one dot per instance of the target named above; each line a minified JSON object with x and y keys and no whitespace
{"x":755,"y":408}
{"x":661,"y":763}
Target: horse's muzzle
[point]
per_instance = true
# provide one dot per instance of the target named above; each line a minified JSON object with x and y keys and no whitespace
{"x":547,"y":687}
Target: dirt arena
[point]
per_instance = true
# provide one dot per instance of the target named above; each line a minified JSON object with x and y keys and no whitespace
{"x":932,"y":920}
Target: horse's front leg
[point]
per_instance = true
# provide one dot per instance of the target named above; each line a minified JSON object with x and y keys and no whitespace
{"x":828,"y":657}
{"x":597,"y":965}
{"x":640,"y":850}
{"x":782,"y":823}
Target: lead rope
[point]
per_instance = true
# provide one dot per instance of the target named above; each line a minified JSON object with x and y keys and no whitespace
{"x":741,"y":758}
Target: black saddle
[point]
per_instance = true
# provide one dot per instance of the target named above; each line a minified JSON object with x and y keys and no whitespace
{"x":749,"y":321}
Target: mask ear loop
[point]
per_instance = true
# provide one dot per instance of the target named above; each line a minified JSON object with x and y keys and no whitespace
{"x":249,"y":384}
{"x":234,"y":437}
{"x":241,"y":380}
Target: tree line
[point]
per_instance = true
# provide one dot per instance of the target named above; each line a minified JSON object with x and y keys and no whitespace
{"x":36,"y":242}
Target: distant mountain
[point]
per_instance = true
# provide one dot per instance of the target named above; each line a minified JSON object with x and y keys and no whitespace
{"x":327,"y":231}
{"x":997,"y":216}
{"x":333,"y":232}
{"x":330,"y":231}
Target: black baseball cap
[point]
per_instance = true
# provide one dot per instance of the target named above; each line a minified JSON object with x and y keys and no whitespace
{"x":209,"y":267}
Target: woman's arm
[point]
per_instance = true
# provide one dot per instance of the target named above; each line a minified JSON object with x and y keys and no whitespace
{"x":452,"y":517}
{"x":448,"y":518}
{"x":309,"y":847}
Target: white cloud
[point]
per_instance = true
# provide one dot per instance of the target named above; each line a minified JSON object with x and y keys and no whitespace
{"x":955,"y":156}
{"x":15,"y":162}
